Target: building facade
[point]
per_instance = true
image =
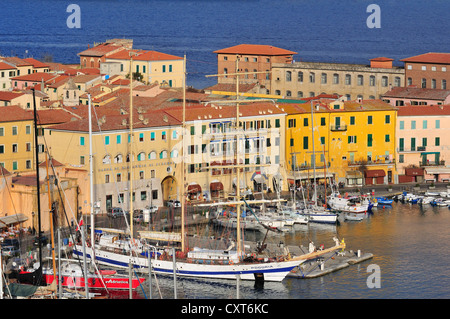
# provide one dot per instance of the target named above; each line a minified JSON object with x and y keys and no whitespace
{"x":422,"y":146}
{"x":430,"y":70}
{"x":253,"y":58}
{"x":309,"y":79}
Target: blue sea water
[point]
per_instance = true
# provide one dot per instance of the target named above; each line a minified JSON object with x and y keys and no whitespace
{"x":322,"y":30}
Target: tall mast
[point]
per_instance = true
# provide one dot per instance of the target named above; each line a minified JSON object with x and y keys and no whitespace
{"x":37,"y":176}
{"x":52,"y":237}
{"x":238,"y":188}
{"x":183,"y":184}
{"x":91,"y":178}
{"x":314,"y":154}
{"x":131,"y":146}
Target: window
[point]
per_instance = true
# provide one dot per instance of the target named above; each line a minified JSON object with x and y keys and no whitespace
{"x":291,"y":123}
{"x":352,"y":139}
{"x":163,"y":135}
{"x":2,"y":131}
{"x":437,"y":141}
{"x":322,"y":140}
{"x":170,"y":67}
{"x":106,"y":140}
{"x":409,"y":81}
{"x":141,"y":156}
{"x":444,"y":69}
{"x":288,"y":93}
{"x":28,"y":164}
{"x":335,"y":78}
{"x":118,"y":177}
{"x":14,"y":148}
{"x":291,"y":142}
{"x":424,"y":141}
{"x":118,"y":158}
{"x":444,"y":85}
{"x":118,"y":139}
{"x":413,"y":125}
{"x":438,"y":124}
{"x":323,"y":78}
{"x":28,"y":129}
{"x":305,"y":142}
{"x":82,"y":140}
{"x":402,"y":125}
{"x":305,"y":121}
{"x":14,"y":130}
{"x":387,"y":119}
{"x":387,"y":138}
{"x":322,"y":121}
{"x":424,"y":124}
{"x":300,"y":76}
{"x":369,"y":119}
{"x":369,"y":140}
{"x":360,"y":80}
{"x":277,"y":92}
{"x":433,"y":83}
{"x":384,"y":81}
{"x":192,"y":130}
{"x":424,"y":83}
{"x":141,"y":137}
{"x":28,"y":147}
{"x":163,"y":155}
{"x":424,"y":68}
{"x":401,"y":144}
{"x":312,"y":77}
{"x":106,"y":178}
{"x":397,"y":81}
{"x":413,"y":143}
{"x":348,"y":79}
{"x":82,"y":162}
{"x":164,"y":68}
{"x":299,"y":94}
{"x":288,"y":76}
{"x":107,"y":159}
{"x":225,"y":71}
{"x":152,"y":155}
{"x":152,"y":136}
{"x":352,"y":120}
{"x":14,"y":165}
{"x":372,"y":80}
{"x":401,"y":158}
{"x":277,"y":122}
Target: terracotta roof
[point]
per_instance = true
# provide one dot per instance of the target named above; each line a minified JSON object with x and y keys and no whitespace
{"x":255,"y":49}
{"x":6,"y":66}
{"x":417,"y":93}
{"x":54,"y":163}
{"x":8,"y":96}
{"x":230,"y":87}
{"x":36,"y":63}
{"x":35,"y":77}
{"x":143,"y":55}
{"x":119,"y":122}
{"x":4,"y":171}
{"x":54,"y":116}
{"x":13,"y":113}
{"x":209,"y":112}
{"x":431,"y":57}
{"x":382,"y":59}
{"x":436,"y":110}
{"x":101,"y":49}
{"x":16,"y":61}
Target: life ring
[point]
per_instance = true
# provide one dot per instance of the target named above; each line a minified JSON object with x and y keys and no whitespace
{"x":231,"y":262}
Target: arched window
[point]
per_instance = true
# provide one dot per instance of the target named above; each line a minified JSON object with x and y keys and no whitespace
{"x":141,"y":156}
{"x":174,"y":153}
{"x":300,"y":76}
{"x":118,"y":158}
{"x":312,"y":77}
{"x":152,"y":155}
{"x":107,"y":159}
{"x":288,"y":76}
{"x":163,"y":154}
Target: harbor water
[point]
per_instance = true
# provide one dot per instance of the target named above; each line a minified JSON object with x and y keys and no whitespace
{"x":409,"y":247}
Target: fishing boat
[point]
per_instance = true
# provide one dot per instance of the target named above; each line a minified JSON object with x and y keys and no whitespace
{"x":72,"y":276}
{"x":352,"y":204}
{"x":384,"y":201}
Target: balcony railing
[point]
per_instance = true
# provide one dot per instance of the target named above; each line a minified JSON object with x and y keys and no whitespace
{"x":432,"y":163}
{"x":376,"y":162}
{"x":411,"y":149}
{"x":339,"y":127}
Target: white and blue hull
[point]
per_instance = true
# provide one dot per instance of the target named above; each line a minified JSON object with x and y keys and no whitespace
{"x":271,"y":271}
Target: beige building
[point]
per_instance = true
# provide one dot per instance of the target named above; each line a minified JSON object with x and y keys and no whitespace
{"x":353,"y":81}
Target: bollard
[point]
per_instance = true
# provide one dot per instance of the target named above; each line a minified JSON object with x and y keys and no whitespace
{"x":322,"y":266}
{"x":359,"y":253}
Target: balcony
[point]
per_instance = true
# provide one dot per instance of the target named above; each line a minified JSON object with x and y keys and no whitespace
{"x":432,"y":163}
{"x":338,"y":128}
{"x":367,"y":163}
{"x":418,"y":149}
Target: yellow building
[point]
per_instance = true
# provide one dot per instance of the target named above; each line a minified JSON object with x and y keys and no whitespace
{"x":354,"y":141}
{"x":155,"y":67}
{"x":16,"y":139}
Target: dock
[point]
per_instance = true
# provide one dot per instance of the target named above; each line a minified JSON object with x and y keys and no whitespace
{"x":328,"y":263}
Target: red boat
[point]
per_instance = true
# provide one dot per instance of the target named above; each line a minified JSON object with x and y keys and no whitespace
{"x":72,"y":277}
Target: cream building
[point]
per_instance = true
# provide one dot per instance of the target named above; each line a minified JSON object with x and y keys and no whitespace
{"x":353,"y":81}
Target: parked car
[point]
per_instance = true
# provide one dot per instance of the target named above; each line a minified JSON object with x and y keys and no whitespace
{"x":44,"y":240}
{"x":10,"y":251}
{"x":115,"y":212}
{"x":174,"y":203}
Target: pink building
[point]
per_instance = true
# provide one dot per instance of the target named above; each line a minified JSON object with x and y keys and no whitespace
{"x":423,"y":146}
{"x":400,"y":96}
{"x":25,"y":82}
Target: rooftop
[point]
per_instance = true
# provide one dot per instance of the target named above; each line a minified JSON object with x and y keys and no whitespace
{"x":8,"y":96}
{"x":143,"y":55}
{"x":255,"y":49}
{"x":35,"y":77}
{"x":430,"y":57}
{"x":100,"y":50}
{"x":417,"y":93}
{"x":436,"y":110}
{"x":14,"y":113}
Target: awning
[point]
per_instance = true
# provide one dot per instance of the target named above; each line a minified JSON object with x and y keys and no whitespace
{"x":353,"y":174}
{"x":216,"y":186}
{"x":437,"y":170}
{"x":13,"y":219}
{"x":375,"y":173}
{"x":194,"y":188}
{"x":414,"y":171}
